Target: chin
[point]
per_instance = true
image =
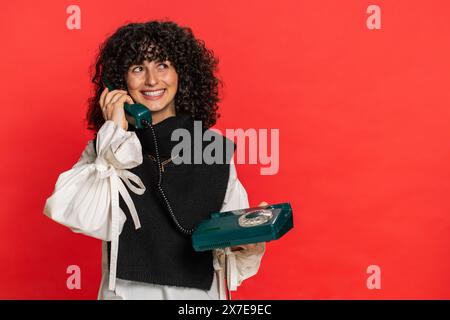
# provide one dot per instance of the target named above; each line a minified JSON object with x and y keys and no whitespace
{"x":154,"y":109}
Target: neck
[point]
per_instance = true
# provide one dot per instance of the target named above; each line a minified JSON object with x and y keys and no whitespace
{"x":158,"y":116}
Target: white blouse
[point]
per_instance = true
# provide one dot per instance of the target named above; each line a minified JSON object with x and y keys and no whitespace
{"x":86,"y":199}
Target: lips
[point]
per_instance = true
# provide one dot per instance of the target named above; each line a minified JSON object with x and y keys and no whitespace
{"x":153,"y":97}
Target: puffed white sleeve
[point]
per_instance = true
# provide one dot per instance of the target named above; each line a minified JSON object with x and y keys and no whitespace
{"x":241,"y":264}
{"x":84,"y":196}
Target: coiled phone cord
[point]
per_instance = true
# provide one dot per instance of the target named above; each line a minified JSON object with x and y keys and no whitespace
{"x":183,"y":230}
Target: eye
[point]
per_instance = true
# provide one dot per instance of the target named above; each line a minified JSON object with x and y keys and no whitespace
{"x":163,"y":65}
{"x":136,"y":68}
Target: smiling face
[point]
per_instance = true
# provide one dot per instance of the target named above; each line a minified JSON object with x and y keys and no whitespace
{"x":154,"y":84}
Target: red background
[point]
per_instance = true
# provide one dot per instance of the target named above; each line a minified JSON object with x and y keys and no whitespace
{"x":364,"y":128}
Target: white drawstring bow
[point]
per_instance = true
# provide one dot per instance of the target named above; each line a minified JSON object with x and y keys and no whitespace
{"x":104,"y":171}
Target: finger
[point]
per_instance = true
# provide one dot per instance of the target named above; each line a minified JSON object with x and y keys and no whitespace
{"x":102,"y":103}
{"x":263,"y":204}
{"x":112,"y":95}
{"x":121,"y":100}
{"x":250,"y":246}
{"x":116,"y":97}
{"x":118,"y":100}
{"x":108,"y":111}
{"x":101,"y":100}
{"x":130,"y":99}
{"x":112,"y":107}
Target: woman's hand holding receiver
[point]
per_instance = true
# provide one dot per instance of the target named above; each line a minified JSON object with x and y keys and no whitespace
{"x":112,"y":104}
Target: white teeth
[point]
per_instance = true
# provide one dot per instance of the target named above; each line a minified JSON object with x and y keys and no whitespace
{"x":153,"y":93}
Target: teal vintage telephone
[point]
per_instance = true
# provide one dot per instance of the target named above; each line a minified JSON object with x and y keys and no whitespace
{"x":140,"y":115}
{"x":237,"y":227}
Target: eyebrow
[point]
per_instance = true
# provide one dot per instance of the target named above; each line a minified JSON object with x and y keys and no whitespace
{"x":156,"y":61}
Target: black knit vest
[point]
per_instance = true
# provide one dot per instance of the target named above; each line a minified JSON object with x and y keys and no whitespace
{"x":158,"y":252}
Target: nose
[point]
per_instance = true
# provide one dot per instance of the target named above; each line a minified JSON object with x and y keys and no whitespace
{"x":151,"y":78}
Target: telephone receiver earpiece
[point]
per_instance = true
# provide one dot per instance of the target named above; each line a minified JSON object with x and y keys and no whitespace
{"x":140,"y":115}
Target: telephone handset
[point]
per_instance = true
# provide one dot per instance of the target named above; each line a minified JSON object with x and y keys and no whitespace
{"x":140,"y":116}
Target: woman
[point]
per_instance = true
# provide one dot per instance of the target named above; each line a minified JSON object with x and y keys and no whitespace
{"x":165,"y":68}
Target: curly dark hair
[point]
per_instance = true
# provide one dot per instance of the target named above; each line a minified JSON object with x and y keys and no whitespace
{"x":159,"y":40}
